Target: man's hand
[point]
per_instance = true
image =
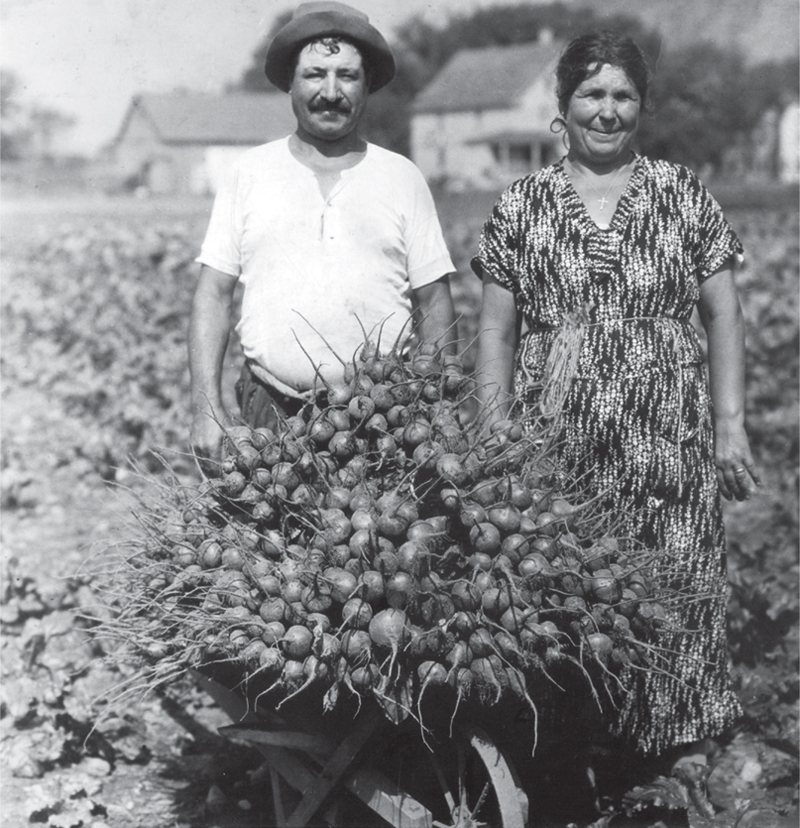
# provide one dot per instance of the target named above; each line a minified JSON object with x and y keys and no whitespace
{"x":206,"y":439}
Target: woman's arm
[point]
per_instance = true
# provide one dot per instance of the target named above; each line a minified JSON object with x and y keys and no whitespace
{"x":497,"y":347}
{"x":721,"y":315}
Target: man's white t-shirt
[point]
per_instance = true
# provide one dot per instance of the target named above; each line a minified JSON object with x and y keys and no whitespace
{"x":312,"y":267}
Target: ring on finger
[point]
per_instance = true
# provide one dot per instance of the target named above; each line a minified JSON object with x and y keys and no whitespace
{"x":738,"y":472}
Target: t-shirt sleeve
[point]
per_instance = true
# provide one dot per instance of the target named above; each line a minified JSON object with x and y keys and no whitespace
{"x":715,"y":241}
{"x":427,"y":256}
{"x":221,"y":246}
{"x":498,"y":244}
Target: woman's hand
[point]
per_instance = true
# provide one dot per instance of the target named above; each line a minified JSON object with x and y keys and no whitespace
{"x":736,"y":471}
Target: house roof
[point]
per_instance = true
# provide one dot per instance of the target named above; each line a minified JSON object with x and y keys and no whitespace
{"x":232,"y":119}
{"x":489,"y":78}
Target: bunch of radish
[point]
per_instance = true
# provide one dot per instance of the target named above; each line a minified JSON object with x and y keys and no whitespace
{"x":377,"y":543}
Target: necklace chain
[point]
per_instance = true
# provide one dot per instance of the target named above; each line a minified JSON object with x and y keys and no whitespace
{"x":602,"y":200}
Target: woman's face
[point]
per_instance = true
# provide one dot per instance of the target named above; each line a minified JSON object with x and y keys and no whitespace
{"x":603,"y":117}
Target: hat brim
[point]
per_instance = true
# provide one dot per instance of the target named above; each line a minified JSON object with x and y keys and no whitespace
{"x":295,"y":34}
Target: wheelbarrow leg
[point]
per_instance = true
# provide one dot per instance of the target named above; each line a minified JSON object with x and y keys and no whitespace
{"x":333,"y":770}
{"x":377,"y":792}
{"x":277,"y":798}
{"x":296,"y":773}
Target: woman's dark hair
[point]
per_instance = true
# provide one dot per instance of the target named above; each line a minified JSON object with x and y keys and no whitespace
{"x":584,"y":57}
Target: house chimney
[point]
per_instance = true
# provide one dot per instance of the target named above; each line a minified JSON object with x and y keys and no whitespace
{"x":545,"y":35}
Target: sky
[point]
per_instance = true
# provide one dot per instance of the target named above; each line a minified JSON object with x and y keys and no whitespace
{"x":87,"y":58}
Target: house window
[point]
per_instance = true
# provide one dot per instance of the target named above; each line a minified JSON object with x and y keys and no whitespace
{"x":519,"y":157}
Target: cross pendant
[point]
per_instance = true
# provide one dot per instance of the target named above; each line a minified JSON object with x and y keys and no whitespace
{"x":603,"y":201}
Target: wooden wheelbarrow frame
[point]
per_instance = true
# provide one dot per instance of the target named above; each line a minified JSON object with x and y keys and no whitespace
{"x":315,"y":766}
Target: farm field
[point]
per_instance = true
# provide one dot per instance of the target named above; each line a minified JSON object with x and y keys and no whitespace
{"x":95,"y":299}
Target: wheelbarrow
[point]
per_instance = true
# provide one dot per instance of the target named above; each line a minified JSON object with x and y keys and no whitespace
{"x":320,"y":767}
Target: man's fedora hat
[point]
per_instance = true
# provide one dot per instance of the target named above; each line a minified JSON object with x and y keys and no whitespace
{"x":327,"y":18}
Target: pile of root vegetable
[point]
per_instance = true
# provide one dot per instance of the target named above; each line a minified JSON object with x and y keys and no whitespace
{"x":375,"y":544}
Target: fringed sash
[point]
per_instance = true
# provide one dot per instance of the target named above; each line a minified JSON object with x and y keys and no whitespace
{"x":561,"y":365}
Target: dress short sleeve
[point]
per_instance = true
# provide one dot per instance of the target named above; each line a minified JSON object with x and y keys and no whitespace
{"x":716,"y":243}
{"x":500,"y":241}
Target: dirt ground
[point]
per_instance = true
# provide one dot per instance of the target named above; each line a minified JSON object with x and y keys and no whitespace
{"x":156,"y":762}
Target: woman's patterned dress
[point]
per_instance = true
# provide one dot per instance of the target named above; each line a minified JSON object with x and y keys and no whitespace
{"x":637,"y":413}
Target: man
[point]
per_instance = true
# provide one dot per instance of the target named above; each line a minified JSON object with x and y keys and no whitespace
{"x":328,"y":234}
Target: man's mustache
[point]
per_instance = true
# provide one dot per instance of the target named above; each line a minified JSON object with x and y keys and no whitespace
{"x":330,"y":106}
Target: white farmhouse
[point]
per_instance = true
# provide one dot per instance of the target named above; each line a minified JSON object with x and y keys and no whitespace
{"x":182,"y":143}
{"x":485,"y":119}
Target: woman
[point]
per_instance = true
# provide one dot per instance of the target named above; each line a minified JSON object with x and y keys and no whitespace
{"x":603,"y":256}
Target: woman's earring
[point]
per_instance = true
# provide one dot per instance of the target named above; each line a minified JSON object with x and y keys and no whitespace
{"x":558,"y":124}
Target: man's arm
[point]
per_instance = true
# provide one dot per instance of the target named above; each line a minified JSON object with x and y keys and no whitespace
{"x":437,"y":315}
{"x":209,"y":329}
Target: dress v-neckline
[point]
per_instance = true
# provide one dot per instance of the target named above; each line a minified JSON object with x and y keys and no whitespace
{"x":580,"y":210}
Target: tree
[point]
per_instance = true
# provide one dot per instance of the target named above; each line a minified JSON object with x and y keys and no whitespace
{"x":27,"y":129}
{"x":14,"y":133}
{"x":46,"y":123}
{"x":771,"y":86}
{"x":427,"y":48}
{"x":706,"y":100}
{"x":253,"y":79}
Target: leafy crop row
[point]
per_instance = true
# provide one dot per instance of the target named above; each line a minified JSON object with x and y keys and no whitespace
{"x":95,"y":315}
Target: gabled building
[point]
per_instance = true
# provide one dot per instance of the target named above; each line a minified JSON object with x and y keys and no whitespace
{"x":485,"y":119}
{"x":182,"y":143}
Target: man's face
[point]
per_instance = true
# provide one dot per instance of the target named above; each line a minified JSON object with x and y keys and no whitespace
{"x":329,"y":90}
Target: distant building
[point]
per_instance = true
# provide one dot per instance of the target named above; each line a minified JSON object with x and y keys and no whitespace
{"x":485,"y":119}
{"x":789,"y":144}
{"x":182,"y":143}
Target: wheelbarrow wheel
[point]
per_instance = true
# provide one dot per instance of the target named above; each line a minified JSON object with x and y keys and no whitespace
{"x":465,"y":782}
